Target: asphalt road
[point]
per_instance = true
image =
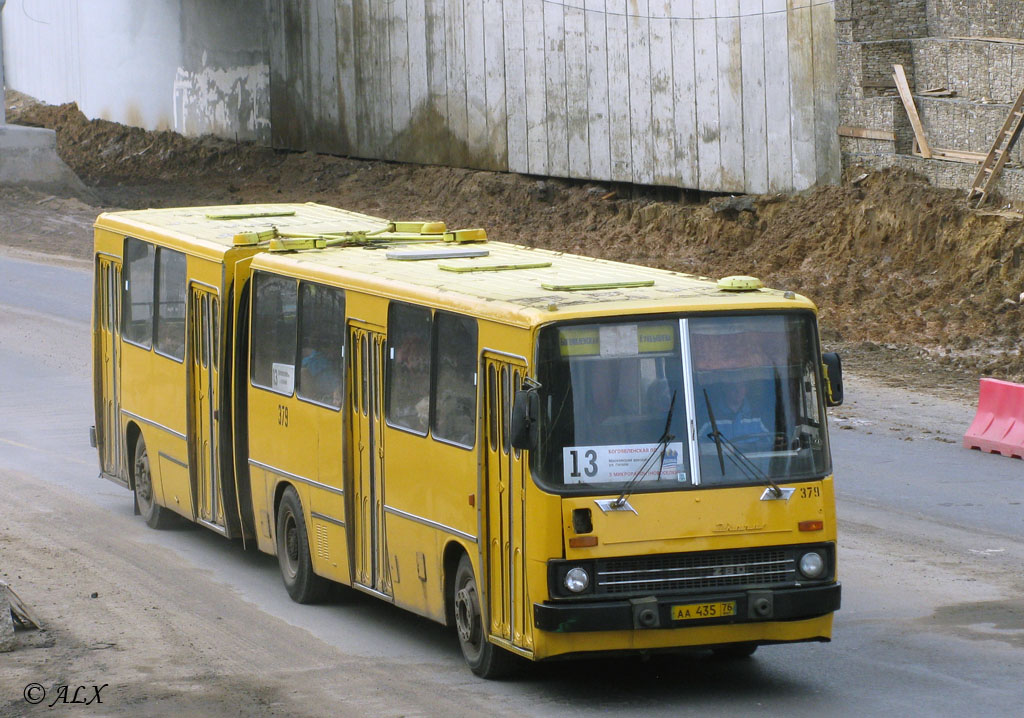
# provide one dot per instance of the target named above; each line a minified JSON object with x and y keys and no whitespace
{"x":931,"y":558}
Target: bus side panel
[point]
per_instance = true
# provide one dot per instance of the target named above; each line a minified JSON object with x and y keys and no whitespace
{"x":275,"y":441}
{"x":426,"y":481}
{"x":153,"y":388}
{"x":326,"y":502}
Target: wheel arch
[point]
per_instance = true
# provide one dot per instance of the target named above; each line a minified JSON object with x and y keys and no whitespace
{"x":132,"y":434}
{"x":279,"y":490}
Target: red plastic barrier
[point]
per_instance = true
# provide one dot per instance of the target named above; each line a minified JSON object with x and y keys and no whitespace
{"x":998,"y":427}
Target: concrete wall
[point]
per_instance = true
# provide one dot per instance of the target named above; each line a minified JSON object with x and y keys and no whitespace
{"x":194,"y":66}
{"x":722,"y":95}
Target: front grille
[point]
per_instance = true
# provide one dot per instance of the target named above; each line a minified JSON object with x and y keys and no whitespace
{"x":681,"y":573}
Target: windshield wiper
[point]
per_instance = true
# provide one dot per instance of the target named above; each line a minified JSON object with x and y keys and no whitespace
{"x":660,"y":448}
{"x":736,"y":455}
{"x":715,"y":433}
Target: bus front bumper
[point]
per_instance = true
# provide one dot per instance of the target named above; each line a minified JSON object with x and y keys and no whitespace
{"x":791,"y":604}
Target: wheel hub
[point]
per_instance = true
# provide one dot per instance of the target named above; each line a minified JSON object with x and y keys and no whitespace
{"x":466,"y":615}
{"x":143,"y":485}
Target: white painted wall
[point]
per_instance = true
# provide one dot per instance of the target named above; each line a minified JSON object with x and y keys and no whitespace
{"x":127,"y":61}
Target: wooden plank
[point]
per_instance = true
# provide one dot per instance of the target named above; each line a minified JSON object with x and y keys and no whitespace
{"x":364,"y":88}
{"x":476,"y":79}
{"x":709,"y":152}
{"x":597,"y":91}
{"x":639,"y":55}
{"x":577,"y":113}
{"x":970,"y":158}
{"x":755,"y":121}
{"x":437,"y":72}
{"x":980,"y":38}
{"x":663,"y":131}
{"x":279,"y":89}
{"x":398,"y":68}
{"x":345,"y":30}
{"x":419,"y":83}
{"x":536,"y":91}
{"x":908,"y":103}
{"x":515,"y":87}
{"x":494,"y":69}
{"x":878,"y":84}
{"x":620,"y":131}
{"x":455,"y":54}
{"x":730,"y":95}
{"x":826,"y":102}
{"x":327,"y":124}
{"x":865,"y":133}
{"x":554,"y":74}
{"x":684,"y":93}
{"x":801,"y":95}
{"x":383,"y":119}
{"x":777,"y":96}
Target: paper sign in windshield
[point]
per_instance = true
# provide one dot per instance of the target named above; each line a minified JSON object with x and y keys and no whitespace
{"x":622,"y":463}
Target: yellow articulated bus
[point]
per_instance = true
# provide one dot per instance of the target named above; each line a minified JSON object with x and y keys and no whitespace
{"x":557,"y":455}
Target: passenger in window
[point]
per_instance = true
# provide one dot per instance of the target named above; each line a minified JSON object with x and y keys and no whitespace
{"x":410,"y":385}
{"x":320,"y":373}
{"x":456,"y":404}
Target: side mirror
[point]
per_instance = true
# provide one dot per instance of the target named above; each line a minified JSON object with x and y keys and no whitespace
{"x":833,"y":370}
{"x":525,"y":412}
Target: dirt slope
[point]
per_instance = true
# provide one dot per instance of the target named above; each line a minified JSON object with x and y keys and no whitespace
{"x":901,"y":271}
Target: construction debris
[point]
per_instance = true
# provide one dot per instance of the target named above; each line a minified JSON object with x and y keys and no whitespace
{"x":13,"y":614}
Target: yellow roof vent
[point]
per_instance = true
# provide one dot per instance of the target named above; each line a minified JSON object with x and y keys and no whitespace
{"x":739,"y":283}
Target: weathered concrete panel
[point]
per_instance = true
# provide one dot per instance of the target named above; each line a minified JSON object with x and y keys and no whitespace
{"x":721,"y":95}
{"x":161,"y":64}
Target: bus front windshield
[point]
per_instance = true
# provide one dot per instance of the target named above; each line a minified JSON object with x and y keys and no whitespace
{"x":629,"y":406}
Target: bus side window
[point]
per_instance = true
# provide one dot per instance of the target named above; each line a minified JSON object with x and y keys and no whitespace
{"x":408,"y":391}
{"x":455,"y":384}
{"x":273,"y":333}
{"x":170,"y":313}
{"x":139,"y":267}
{"x":321,"y":338}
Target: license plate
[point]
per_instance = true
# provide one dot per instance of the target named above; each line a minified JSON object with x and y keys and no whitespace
{"x":698,"y":611}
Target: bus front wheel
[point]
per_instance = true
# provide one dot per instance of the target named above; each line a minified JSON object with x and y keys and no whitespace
{"x":484,"y":658}
{"x":156,"y":516}
{"x":293,"y":557}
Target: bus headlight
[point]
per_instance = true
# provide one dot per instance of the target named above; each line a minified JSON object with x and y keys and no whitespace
{"x":812,"y":565}
{"x":577,"y":579}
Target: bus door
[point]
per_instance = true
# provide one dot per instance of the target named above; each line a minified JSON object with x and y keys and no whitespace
{"x":203,"y":314}
{"x":506,"y":487}
{"x":366,"y":508}
{"x":108,"y":406}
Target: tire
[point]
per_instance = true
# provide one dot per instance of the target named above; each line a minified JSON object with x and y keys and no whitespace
{"x":293,"y":557}
{"x":155,"y":516}
{"x":484,"y":658}
{"x":734,"y":651}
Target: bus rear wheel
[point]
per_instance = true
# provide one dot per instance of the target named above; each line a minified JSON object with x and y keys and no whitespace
{"x":155,"y":516}
{"x":293,"y":557}
{"x":484,"y":658}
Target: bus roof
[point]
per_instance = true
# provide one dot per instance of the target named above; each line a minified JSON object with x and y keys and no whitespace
{"x":507,"y":282}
